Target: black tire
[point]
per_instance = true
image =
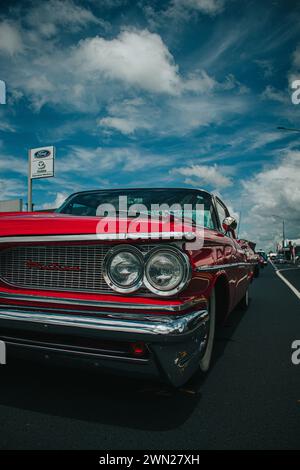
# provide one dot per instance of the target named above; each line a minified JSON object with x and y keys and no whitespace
{"x":206,"y":357}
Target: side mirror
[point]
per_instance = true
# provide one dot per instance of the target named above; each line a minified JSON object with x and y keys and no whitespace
{"x":229,"y":223}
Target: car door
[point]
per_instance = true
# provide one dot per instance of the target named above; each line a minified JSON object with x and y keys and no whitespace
{"x":233,"y":254}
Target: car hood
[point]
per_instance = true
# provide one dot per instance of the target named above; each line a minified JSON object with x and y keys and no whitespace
{"x":36,"y":223}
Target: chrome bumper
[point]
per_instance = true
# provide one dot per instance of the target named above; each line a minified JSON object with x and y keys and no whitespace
{"x":135,"y":324}
{"x":175,"y":342}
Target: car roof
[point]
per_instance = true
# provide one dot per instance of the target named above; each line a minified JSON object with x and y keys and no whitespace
{"x":91,"y":191}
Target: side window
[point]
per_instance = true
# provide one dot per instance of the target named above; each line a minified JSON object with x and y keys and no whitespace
{"x":82,"y":209}
{"x":210,"y":221}
{"x":222,"y":214}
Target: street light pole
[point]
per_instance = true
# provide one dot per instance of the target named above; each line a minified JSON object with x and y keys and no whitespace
{"x":283,"y":229}
{"x":239,"y":224}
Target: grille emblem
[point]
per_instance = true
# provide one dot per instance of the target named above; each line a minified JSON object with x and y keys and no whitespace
{"x":50,"y":267}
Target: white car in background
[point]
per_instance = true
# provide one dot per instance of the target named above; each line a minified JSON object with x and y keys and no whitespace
{"x":280,"y":259}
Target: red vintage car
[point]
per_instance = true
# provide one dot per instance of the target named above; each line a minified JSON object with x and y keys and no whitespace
{"x":141,"y":302}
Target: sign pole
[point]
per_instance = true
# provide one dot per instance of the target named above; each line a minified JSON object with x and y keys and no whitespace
{"x":29,"y":197}
{"x":40,"y":165}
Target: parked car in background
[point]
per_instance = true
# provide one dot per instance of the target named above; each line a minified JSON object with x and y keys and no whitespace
{"x":264,"y":257}
{"x":280,"y":259}
{"x":76,"y":286}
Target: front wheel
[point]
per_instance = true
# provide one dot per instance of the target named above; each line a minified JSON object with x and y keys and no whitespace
{"x":210,"y":334}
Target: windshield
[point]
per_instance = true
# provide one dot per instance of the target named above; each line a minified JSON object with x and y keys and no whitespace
{"x":87,"y":203}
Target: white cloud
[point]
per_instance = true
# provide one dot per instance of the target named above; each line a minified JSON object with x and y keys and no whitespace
{"x":294,"y":73}
{"x":296,"y":57}
{"x":5,"y":124}
{"x":88,"y":161}
{"x":260,"y":139}
{"x":182,"y":10}
{"x":95,"y":76}
{"x":127,"y":116}
{"x":11,"y":164}
{"x":231,"y":83}
{"x":48,"y":16}
{"x":175,"y":115}
{"x":270,"y":93}
{"x":90,"y":74}
{"x":266,"y":67}
{"x":208,"y":175}
{"x":6,"y":127}
{"x":199,"y":82}
{"x":274,"y":191}
{"x":59,"y":199}
{"x":138,"y":58}
{"x":122,"y":125}
{"x":11,"y":188}
{"x":209,"y":7}
{"x":178,"y":115}
{"x":10,"y":39}
{"x":190,"y":112}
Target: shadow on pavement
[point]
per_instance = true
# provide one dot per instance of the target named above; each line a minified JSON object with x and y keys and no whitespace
{"x":88,"y":396}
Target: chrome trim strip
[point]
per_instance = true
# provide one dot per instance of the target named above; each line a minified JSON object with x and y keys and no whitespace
{"x":117,"y":305}
{"x":98,"y":236}
{"x":217,"y":267}
{"x":50,"y":311}
{"x":161,"y":326}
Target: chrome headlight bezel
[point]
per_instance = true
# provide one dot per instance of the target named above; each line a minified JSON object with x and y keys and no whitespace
{"x":186,"y":270}
{"x":106,"y":268}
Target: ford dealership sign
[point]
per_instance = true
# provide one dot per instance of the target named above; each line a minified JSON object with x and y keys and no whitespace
{"x":42,"y":153}
{"x":42,"y":162}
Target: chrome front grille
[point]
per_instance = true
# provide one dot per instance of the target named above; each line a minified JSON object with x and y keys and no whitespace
{"x":77,"y":268}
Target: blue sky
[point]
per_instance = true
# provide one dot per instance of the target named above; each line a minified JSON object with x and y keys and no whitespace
{"x":153,"y":93}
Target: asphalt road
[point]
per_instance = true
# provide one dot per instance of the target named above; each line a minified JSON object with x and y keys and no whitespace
{"x":292,"y":274}
{"x":249,"y":399}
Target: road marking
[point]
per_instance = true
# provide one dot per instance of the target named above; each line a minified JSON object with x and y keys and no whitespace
{"x":293,"y":288}
{"x":289,"y":269}
{"x":271,"y":262}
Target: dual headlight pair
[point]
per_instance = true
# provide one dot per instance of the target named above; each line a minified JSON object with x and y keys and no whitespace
{"x":164,"y":271}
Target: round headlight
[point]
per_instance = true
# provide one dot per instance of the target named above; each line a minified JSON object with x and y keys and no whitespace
{"x":124,"y":269}
{"x":167,"y":271}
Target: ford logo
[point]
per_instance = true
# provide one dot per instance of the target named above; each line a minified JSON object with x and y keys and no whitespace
{"x":42,"y":154}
